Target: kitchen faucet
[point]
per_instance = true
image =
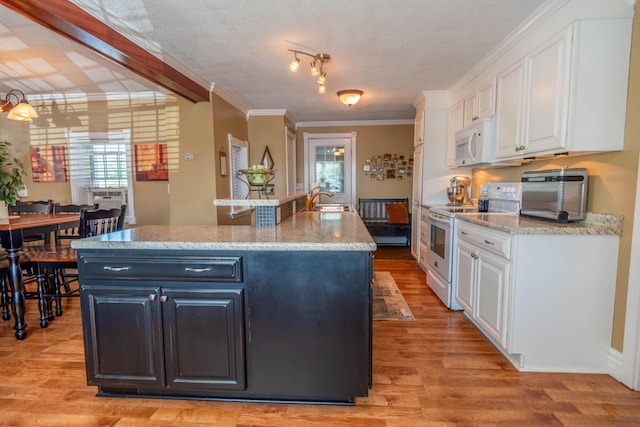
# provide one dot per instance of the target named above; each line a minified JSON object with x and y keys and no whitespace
{"x":315,"y":192}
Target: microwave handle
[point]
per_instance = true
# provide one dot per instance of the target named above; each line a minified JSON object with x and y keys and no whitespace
{"x":469,"y":144}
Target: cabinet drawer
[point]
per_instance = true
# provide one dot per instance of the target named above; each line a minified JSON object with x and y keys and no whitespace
{"x":223,"y":269}
{"x":492,"y":241}
{"x":424,"y":234}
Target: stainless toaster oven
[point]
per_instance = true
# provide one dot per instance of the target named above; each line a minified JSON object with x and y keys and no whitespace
{"x":555,"y":194}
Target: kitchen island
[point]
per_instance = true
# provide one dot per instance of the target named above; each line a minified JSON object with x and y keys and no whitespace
{"x":230,"y":312}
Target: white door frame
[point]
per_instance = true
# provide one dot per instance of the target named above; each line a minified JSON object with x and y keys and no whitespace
{"x":352,"y":166}
{"x":290,"y":156}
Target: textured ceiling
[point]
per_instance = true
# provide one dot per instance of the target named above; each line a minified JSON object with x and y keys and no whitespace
{"x":391,"y":49}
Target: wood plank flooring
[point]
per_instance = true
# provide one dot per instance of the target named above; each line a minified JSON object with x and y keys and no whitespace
{"x":436,"y":371}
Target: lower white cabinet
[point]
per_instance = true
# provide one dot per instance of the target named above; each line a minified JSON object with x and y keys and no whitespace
{"x":483,"y":284}
{"x":545,"y":300}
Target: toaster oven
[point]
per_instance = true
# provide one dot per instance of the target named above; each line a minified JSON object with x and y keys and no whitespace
{"x":558,"y":195}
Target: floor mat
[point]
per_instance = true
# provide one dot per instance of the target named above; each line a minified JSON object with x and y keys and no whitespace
{"x":388,"y":302}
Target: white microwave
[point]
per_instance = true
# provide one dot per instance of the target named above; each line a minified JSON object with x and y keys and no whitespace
{"x":476,"y":143}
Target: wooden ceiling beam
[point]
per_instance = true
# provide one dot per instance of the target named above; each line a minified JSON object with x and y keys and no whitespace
{"x":69,"y":20}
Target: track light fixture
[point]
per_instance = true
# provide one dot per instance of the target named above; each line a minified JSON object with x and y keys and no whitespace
{"x":20,"y":110}
{"x":317,"y":65}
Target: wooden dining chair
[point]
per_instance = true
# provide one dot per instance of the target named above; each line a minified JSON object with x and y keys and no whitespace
{"x":50,"y":261}
{"x":66,"y":234}
{"x":29,"y":208}
{"x":5,"y":292}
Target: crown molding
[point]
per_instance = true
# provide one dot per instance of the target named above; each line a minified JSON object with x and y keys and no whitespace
{"x":541,"y":15}
{"x":355,"y":123}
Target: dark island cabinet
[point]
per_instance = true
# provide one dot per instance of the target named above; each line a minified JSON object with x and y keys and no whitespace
{"x":144,"y":331}
{"x":257,"y":325}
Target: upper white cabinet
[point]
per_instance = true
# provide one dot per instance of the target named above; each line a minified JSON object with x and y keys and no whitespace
{"x":510,"y":110}
{"x":418,"y":128}
{"x":567,"y":95}
{"x":456,"y":122}
{"x":481,"y":104}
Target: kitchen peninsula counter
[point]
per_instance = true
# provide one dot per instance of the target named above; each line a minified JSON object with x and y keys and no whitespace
{"x":277,"y":313}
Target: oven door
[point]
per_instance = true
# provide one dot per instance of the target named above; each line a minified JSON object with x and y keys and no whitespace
{"x":440,"y":240}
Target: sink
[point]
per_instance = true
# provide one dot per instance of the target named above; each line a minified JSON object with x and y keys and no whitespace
{"x":333,"y":207}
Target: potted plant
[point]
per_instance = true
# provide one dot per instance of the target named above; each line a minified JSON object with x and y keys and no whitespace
{"x":11,"y":173}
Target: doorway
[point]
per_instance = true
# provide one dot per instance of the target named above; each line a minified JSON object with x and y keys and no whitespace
{"x":329,"y":162}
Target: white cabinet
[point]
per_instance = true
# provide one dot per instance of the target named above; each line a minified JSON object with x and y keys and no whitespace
{"x":566,"y":95}
{"x":510,"y":111}
{"x":424,"y":238}
{"x":483,"y":280}
{"x":416,"y":200}
{"x":545,"y":300}
{"x":418,"y":128}
{"x":456,"y":122}
{"x":481,"y":104}
{"x":548,"y":95}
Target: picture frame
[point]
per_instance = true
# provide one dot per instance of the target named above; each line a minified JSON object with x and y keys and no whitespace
{"x":366,"y":167}
{"x":49,"y":163}
{"x":151,"y":162}
{"x":387,"y":157}
{"x":267,"y":160}
{"x":380,"y":176}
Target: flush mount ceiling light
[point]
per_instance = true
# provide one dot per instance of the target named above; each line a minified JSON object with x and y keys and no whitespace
{"x":317,"y":65}
{"x":20,"y":110}
{"x":350,"y":97}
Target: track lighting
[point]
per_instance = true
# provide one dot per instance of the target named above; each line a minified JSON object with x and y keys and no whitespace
{"x":21,"y":110}
{"x":317,"y":65}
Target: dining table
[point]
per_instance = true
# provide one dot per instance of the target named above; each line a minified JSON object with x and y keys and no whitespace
{"x":12,"y":230}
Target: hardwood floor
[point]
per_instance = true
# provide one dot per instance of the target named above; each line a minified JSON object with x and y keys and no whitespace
{"x":436,"y":371}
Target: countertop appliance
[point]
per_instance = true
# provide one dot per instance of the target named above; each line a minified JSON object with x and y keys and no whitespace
{"x":458,"y":191}
{"x":504,"y":199}
{"x":558,"y":195}
{"x":475,"y":143}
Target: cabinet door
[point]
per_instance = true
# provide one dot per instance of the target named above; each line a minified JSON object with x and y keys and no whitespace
{"x":123,"y":336}
{"x":470,"y":109}
{"x":486,"y":100}
{"x":491,"y":297}
{"x":510,"y":111}
{"x":418,"y":128}
{"x":456,"y":122}
{"x":204,"y":338}
{"x":548,"y":70}
{"x":465,"y":275}
{"x":416,"y":223}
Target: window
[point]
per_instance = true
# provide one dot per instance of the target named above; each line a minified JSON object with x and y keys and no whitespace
{"x":109,"y":166}
{"x":239,"y":159}
{"x":100,"y":168}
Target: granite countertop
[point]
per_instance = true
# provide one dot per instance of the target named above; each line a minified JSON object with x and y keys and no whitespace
{"x":304,"y":231}
{"x":273,"y":200}
{"x":594,"y":224}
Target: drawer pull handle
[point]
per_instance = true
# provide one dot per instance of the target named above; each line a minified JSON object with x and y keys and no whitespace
{"x":106,"y":267}
{"x":489,"y":242}
{"x":464,"y":232}
{"x":197,"y":270}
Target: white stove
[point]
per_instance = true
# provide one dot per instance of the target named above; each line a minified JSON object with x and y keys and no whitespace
{"x":504,"y":199}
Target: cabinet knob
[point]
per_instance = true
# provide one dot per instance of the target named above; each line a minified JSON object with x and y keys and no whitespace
{"x":152,"y":297}
{"x":163,"y":298}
